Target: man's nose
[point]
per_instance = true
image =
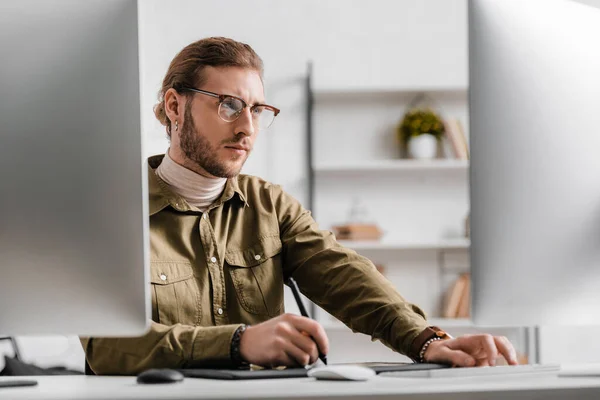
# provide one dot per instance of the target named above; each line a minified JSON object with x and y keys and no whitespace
{"x":245,"y":123}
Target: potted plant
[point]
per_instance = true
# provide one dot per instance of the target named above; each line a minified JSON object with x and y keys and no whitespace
{"x":420,"y":130}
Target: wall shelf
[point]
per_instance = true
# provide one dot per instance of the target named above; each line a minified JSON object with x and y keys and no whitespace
{"x":373,"y":245}
{"x":394,"y":166}
{"x":328,"y":90}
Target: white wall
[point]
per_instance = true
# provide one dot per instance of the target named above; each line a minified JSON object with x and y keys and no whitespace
{"x":593,"y":3}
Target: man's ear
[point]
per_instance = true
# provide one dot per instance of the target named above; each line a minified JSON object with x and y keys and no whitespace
{"x":174,"y":106}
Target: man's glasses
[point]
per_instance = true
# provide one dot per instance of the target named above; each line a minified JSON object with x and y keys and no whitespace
{"x":231,"y":107}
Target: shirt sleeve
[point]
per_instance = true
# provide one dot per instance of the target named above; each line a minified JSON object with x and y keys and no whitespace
{"x":176,"y":346}
{"x":342,"y":282}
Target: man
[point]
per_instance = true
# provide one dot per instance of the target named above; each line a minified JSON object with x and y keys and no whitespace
{"x":223,"y":244}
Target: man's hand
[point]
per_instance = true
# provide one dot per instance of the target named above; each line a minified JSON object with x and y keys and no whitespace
{"x":287,"y":340}
{"x":471,"y":351}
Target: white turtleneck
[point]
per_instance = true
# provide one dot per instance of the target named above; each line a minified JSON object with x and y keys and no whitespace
{"x":197,"y":190}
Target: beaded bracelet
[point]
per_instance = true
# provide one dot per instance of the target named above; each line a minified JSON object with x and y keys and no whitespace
{"x":424,"y":348}
{"x":236,"y":356}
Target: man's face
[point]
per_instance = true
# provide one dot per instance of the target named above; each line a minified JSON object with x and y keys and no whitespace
{"x":211,"y":146}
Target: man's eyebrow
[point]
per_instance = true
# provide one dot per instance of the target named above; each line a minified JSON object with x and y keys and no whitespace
{"x":255,"y":103}
{"x":263,"y":101}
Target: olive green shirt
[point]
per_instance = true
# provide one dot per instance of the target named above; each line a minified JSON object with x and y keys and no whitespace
{"x":212,"y":271}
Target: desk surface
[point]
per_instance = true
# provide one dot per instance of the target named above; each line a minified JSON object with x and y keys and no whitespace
{"x":490,"y":387}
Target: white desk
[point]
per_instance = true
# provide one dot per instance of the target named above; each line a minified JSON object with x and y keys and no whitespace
{"x":497,"y":387}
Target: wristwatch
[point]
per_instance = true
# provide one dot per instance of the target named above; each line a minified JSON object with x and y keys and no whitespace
{"x":425,"y":338}
{"x":236,"y":356}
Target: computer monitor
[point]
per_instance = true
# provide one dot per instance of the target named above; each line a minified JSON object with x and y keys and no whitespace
{"x":73,"y":207}
{"x":535,"y":169}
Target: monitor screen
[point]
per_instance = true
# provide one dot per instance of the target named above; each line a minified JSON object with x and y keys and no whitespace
{"x":535,"y":170}
{"x":73,"y":214}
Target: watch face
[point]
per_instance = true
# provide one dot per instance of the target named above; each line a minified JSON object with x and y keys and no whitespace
{"x":443,"y":335}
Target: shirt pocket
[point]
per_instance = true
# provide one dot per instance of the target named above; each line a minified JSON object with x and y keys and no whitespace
{"x":257,"y":275}
{"x":175,"y":293}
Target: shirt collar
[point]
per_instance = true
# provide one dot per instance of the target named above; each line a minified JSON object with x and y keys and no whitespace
{"x":160,"y":196}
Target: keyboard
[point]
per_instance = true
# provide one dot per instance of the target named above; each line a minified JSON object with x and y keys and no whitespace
{"x":477,"y":371}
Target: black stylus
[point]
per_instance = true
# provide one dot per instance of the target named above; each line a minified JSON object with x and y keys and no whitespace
{"x":292,"y":284}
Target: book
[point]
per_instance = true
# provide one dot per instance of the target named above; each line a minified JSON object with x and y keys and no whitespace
{"x":464,"y":306}
{"x":463,"y":137}
{"x":357,"y":232}
{"x":454,"y":296}
{"x":457,"y":139}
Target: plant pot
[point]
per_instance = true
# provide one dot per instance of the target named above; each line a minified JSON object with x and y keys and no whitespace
{"x":422,"y":147}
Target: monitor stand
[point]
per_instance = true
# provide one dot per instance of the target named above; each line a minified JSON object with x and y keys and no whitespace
{"x":16,"y":382}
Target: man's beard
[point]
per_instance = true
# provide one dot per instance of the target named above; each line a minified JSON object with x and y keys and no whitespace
{"x":199,"y":151}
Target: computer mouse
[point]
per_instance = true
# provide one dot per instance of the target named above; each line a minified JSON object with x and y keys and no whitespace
{"x":162,"y":375}
{"x":342,"y":373}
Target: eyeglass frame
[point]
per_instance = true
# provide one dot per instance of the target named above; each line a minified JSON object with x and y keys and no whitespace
{"x":222,"y":98}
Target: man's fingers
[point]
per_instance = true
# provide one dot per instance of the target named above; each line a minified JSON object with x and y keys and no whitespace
{"x":286,"y":359}
{"x":314,"y":330}
{"x":444,"y":354}
{"x":490,"y":349}
{"x":482,"y":362}
{"x":305,"y":343}
{"x":485,"y":348}
{"x":506,"y":349}
{"x":298,"y":356}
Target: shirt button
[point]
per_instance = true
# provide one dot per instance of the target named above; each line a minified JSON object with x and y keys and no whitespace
{"x":257,"y":257}
{"x":220,"y":311}
{"x":163,"y":277}
{"x":205,"y":216}
{"x":213,"y":260}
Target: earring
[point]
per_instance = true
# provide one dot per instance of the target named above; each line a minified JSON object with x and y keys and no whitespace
{"x":176,"y":126}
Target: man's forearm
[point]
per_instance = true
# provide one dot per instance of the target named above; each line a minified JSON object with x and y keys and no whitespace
{"x":162,"y":346}
{"x":352,"y":290}
{"x":344,"y":283}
